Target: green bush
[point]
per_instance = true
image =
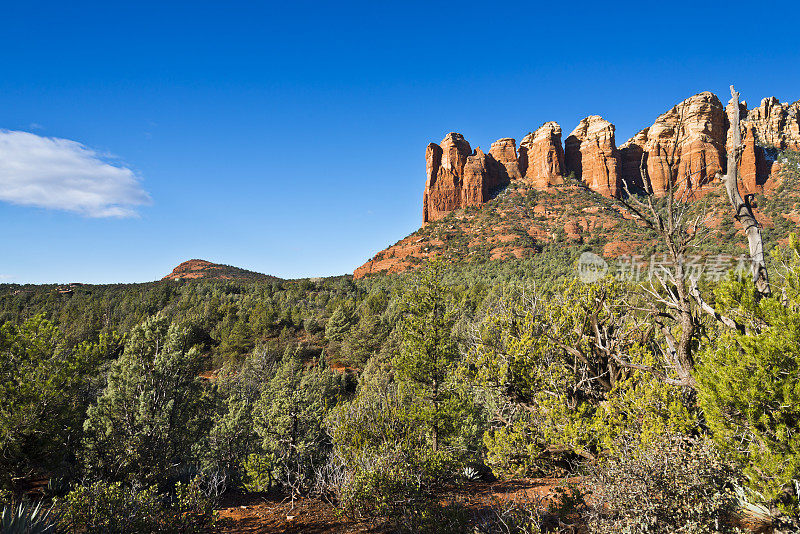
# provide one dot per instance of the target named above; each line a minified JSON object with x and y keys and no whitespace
{"x":144,"y":426}
{"x":43,"y":387}
{"x":110,"y":508}
{"x":749,"y":391}
{"x":673,"y":485}
{"x":383,"y":456}
{"x":556,"y":397}
{"x":288,"y":417}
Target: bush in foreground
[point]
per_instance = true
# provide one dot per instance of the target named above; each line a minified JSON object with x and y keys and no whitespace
{"x":675,"y":485}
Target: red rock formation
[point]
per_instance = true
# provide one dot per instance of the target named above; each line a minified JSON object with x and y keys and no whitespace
{"x":504,"y":152}
{"x":699,"y":153}
{"x":458,"y":177}
{"x":591,"y":154}
{"x":776,"y":124}
{"x":445,"y":166}
{"x":753,"y":170}
{"x":541,"y":156}
{"x":685,"y":146}
{"x":196,"y":269}
{"x":475,"y":185}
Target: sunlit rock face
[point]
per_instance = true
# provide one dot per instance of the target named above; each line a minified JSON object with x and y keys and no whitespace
{"x":541,"y":157}
{"x":590,"y":153}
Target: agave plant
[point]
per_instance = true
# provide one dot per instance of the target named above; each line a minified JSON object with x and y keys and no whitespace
{"x":28,"y":518}
{"x":470,"y":473}
{"x":750,"y":500}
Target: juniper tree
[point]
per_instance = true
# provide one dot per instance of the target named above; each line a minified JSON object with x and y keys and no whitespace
{"x":151,"y":413}
{"x":288,"y":418}
{"x":44,"y":387}
{"x":749,"y":388}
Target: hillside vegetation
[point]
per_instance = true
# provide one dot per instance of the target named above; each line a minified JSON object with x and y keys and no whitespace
{"x":134,"y":408}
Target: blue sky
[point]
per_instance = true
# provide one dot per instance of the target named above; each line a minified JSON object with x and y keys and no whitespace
{"x":289,"y":137}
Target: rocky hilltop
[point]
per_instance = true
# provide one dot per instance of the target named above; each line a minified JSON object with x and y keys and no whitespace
{"x":694,"y":133}
{"x":459,"y":177}
{"x":202,"y":269}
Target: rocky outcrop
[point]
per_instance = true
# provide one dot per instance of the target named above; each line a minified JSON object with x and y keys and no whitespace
{"x":445,"y":168}
{"x":776,"y":124}
{"x":202,"y":269}
{"x":630,"y":160}
{"x":753,"y":171}
{"x":475,"y":184}
{"x":458,"y":177}
{"x":591,"y":154}
{"x":685,"y":146}
{"x":690,"y":138}
{"x":769,"y":127}
{"x":541,"y":158}
{"x":504,"y":152}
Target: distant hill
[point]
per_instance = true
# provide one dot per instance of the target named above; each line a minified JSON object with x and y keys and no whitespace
{"x":197,"y":269}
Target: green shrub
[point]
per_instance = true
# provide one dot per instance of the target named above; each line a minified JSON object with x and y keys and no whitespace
{"x":288,"y":417}
{"x":559,"y":399}
{"x":749,"y":389}
{"x":193,"y":504}
{"x":144,"y":426}
{"x":674,"y":485}
{"x":383,"y":456}
{"x":110,"y":508}
{"x":42,"y":398}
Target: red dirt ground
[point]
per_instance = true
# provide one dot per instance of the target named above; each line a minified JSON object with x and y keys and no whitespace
{"x":266,"y":513}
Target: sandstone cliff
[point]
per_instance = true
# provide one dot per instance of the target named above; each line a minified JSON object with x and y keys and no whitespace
{"x":685,"y":146}
{"x":458,"y":177}
{"x":690,"y":136}
{"x":504,"y":152}
{"x":590,"y":153}
{"x":541,"y":157}
{"x":776,"y":124}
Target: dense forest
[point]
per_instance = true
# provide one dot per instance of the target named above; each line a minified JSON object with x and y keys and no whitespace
{"x":675,"y":400}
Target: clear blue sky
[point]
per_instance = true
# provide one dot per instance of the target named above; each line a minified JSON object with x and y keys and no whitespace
{"x":289,"y":137}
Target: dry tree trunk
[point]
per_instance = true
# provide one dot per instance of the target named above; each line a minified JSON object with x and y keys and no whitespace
{"x":742,"y":209}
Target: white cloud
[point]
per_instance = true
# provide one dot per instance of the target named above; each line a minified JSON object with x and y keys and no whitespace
{"x":49,"y":172}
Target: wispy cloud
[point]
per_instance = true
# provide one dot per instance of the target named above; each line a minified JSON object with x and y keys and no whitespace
{"x":6,"y":277}
{"x":49,"y":172}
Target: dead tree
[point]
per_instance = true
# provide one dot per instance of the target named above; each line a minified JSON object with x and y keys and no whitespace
{"x":669,"y":299}
{"x":677,"y":297}
{"x":743,"y":211}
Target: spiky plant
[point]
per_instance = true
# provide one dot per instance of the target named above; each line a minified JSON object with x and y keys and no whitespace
{"x":28,"y":518}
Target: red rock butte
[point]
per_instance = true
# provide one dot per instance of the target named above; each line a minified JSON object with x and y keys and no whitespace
{"x":459,"y":177}
{"x":202,"y":269}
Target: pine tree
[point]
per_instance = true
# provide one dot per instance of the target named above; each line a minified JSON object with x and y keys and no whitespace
{"x":339,"y":324}
{"x":428,"y":352}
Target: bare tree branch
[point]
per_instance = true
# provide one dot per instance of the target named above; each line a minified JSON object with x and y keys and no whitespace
{"x":743,"y":211}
